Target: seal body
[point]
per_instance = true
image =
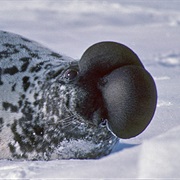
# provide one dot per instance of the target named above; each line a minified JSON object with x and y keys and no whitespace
{"x":45,"y":111}
{"x":53,"y":107}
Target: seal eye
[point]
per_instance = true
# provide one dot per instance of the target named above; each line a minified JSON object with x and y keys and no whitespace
{"x":71,"y":74}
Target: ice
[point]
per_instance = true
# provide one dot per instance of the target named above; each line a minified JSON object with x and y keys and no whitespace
{"x":160,"y":156}
{"x":152,"y":30}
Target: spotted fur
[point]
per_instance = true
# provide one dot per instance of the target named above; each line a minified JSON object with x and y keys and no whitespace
{"x":38,"y":118}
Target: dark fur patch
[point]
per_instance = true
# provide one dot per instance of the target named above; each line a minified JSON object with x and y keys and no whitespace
{"x":37,"y":68}
{"x":8,"y":106}
{"x":10,"y":49}
{"x":48,"y":66}
{"x":1,"y":83}
{"x":13,"y":87}
{"x":17,"y":138}
{"x":12,"y":70}
{"x":24,"y":66}
{"x":26,"y":40}
{"x":25,"y":59}
{"x":56,"y":55}
{"x":35,"y":55}
{"x":26,"y":83}
{"x":25,"y":48}
{"x":1,"y":123}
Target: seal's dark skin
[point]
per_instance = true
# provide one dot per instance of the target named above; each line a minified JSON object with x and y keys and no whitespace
{"x":52,"y":107}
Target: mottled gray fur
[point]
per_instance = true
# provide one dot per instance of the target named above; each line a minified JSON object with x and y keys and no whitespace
{"x":38,"y":118}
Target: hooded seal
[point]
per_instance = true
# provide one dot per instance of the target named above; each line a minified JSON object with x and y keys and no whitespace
{"x":53,"y":107}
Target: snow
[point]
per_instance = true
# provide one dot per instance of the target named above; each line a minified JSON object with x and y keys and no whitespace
{"x":151,"y":29}
{"x":163,"y":153}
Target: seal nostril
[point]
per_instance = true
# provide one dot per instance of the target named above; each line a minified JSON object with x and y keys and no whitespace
{"x":103,"y":122}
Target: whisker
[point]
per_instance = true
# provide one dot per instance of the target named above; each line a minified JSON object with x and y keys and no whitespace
{"x":68,"y":110}
{"x":70,"y":130}
{"x":63,"y":120}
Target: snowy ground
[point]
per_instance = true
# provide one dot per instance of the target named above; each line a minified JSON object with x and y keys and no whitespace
{"x":152,"y":30}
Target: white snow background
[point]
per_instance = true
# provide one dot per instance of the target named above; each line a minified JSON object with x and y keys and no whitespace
{"x":152,"y":30}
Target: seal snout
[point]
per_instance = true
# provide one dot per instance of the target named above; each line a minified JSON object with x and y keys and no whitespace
{"x":127,"y":90}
